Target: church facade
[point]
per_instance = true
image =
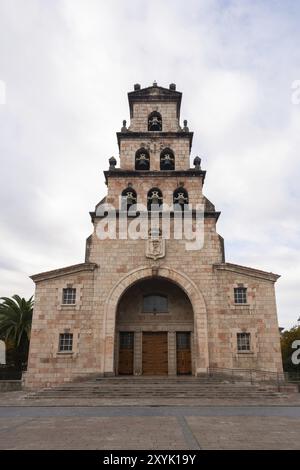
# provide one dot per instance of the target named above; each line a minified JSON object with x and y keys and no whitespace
{"x":147,"y":303}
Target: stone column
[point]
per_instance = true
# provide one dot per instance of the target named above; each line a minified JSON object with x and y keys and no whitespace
{"x":172,"y":366}
{"x":137,"y":362}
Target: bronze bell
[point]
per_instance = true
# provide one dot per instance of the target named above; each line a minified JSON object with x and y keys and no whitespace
{"x":142,"y":163}
{"x":167,"y":163}
{"x":130,"y":199}
{"x":155,"y":200}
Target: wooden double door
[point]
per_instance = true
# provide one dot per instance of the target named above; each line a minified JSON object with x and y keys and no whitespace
{"x":155,"y":353}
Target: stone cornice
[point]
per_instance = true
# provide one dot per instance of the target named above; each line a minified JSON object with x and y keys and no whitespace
{"x":155,"y":135}
{"x":76,"y":268}
{"x":154,"y":95}
{"x":207,"y":214}
{"x":257,"y":273}
{"x":119,"y":173}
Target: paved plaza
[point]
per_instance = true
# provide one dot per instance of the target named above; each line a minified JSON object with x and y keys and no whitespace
{"x":150,"y":427}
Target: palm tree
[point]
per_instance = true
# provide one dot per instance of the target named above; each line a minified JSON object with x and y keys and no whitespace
{"x":15,"y":326}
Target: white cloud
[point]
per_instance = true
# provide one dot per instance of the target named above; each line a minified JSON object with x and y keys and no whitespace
{"x":68,"y":65}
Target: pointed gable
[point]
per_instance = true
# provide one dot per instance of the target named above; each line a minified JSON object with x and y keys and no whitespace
{"x":154,"y":94}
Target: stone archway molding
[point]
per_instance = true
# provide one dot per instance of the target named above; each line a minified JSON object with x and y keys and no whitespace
{"x":145,"y":272}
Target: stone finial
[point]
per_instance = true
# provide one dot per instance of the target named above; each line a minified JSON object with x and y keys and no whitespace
{"x":136,"y":86}
{"x":124,"y":128}
{"x":112,"y":163}
{"x":172,"y":86}
{"x":197,"y":163}
{"x":155,"y":83}
{"x":185,"y":127}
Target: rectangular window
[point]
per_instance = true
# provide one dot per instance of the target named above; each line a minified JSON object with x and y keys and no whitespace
{"x":240,"y":295}
{"x":65,"y":342}
{"x":69,"y":295}
{"x":126,"y":340}
{"x":155,"y":303}
{"x":183,"y":340}
{"x":243,"y":341}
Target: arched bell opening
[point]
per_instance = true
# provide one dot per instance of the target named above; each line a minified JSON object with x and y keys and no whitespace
{"x":180,"y":198}
{"x":142,"y":159}
{"x":155,"y":122}
{"x":154,"y":199}
{"x":129,"y":198}
{"x":167,"y":160}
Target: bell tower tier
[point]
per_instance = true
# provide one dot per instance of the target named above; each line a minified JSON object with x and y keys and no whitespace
{"x":154,"y":140}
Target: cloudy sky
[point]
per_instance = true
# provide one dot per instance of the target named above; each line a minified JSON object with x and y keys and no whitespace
{"x":67,"y":65}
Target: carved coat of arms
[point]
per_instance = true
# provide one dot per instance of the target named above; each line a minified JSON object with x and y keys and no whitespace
{"x":155,"y":248}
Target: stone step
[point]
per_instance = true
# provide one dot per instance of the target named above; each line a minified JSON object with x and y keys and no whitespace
{"x":158,"y":393}
{"x":135,"y":391}
{"x":154,"y":394}
{"x":156,"y":387}
{"x":159,"y":387}
{"x":176,"y":395}
{"x":167,"y":394}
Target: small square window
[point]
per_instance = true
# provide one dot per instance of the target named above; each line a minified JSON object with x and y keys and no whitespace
{"x":243,"y":341}
{"x":65,"y":342}
{"x":240,"y":295}
{"x":69,"y":295}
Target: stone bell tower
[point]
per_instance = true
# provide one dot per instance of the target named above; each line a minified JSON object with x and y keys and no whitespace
{"x":145,"y":303}
{"x":155,"y":154}
{"x":155,"y":131}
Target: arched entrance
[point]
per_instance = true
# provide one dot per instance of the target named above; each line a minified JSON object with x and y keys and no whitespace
{"x":200,"y":359}
{"x":154,"y":330}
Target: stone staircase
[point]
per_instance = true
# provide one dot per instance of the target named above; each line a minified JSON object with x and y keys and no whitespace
{"x":158,"y":388}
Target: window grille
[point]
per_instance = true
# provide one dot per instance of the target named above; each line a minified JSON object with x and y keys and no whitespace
{"x":240,"y":295}
{"x":69,"y":295}
{"x":65,"y":342}
{"x":243,"y":341}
